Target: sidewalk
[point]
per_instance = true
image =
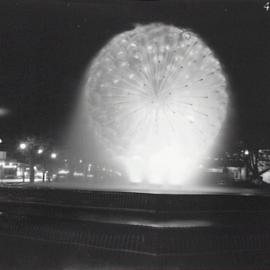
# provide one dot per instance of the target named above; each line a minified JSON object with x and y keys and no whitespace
{"x":18,"y":180}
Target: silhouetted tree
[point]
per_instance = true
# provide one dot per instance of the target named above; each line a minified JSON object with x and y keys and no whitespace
{"x":33,"y":144}
{"x":256,"y":166}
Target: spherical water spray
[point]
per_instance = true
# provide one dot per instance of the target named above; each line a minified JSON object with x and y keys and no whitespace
{"x":157,"y":100}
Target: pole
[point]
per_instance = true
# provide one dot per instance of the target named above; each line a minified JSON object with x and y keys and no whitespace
{"x":23,"y":176}
{"x":32,"y":171}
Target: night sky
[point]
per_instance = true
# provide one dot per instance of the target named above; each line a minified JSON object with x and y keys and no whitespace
{"x":45,"y":49}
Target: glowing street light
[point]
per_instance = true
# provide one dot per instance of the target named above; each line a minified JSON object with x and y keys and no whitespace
{"x":23,"y":146}
{"x":246,"y":152}
{"x":40,"y":151}
{"x":53,"y":155}
{"x":1,"y":141}
{"x":3,"y":111}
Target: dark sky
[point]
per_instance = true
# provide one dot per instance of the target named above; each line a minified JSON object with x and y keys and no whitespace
{"x":46,"y":47}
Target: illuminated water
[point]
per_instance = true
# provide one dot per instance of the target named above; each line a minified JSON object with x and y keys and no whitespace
{"x":157,"y":100}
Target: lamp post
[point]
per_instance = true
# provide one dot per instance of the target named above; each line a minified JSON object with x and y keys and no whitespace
{"x":53,"y":157}
{"x":23,"y":147}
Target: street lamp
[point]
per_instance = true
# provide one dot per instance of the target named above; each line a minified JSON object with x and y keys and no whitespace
{"x":53,"y":155}
{"x":40,"y":151}
{"x":23,"y":146}
{"x":1,"y":141}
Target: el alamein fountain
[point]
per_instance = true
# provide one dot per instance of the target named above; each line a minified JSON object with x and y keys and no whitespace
{"x":157,"y":99}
